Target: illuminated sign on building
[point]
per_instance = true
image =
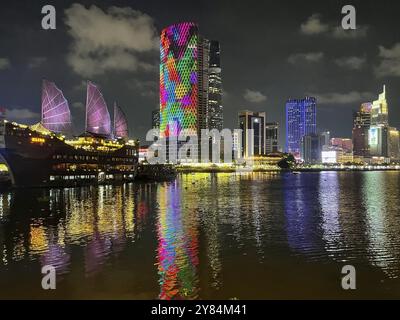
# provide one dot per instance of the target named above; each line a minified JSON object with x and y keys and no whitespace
{"x":37,"y":140}
{"x":373,"y":136}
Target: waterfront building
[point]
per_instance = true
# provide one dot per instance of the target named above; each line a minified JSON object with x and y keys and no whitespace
{"x":190,"y":76}
{"x":215,"y":108}
{"x":252,"y":125}
{"x":311,"y":147}
{"x":378,"y":141}
{"x":361,"y":126}
{"x":325,"y":138}
{"x":143,"y":153}
{"x":301,"y":120}
{"x":336,"y":156}
{"x":271,"y":137}
{"x":379,"y":110}
{"x":342,"y":143}
{"x":394,"y":144}
{"x":378,"y":133}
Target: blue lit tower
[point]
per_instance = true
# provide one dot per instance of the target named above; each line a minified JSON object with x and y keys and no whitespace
{"x":301,"y":120}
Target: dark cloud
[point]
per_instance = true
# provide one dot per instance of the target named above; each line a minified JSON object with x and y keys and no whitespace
{"x":4,"y":63}
{"x":254,"y":96}
{"x":390,"y":61}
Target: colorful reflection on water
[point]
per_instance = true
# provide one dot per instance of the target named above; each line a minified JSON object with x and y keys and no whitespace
{"x":206,"y":236}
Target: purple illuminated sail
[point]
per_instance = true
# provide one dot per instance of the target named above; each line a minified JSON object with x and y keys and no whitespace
{"x":97,"y":116}
{"x":56,"y":116}
{"x":120,"y":123}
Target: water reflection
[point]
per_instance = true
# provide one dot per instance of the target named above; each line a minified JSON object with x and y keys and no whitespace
{"x":382,"y":222}
{"x":301,"y":213}
{"x":203,"y":235}
{"x":99,"y":220}
{"x":329,"y":199}
{"x":178,"y":246}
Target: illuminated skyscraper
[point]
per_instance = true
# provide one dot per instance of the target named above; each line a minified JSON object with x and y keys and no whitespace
{"x":215,"y":109}
{"x":379,"y":112}
{"x":394,"y":144}
{"x":361,"y":126}
{"x":378,"y":134}
{"x":155,"y":119}
{"x":179,"y":79}
{"x":190,"y":82}
{"x":301,"y":120}
{"x":311,"y":148}
{"x":272,"y":137}
{"x":184,"y":80}
{"x":252,"y":125}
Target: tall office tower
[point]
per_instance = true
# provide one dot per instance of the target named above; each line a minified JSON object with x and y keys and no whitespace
{"x":311,"y":148}
{"x":215,"y":108}
{"x":252,"y":125}
{"x":325,"y":139}
{"x":361,"y":126}
{"x":203,"y":82}
{"x":271,"y":137}
{"x":155,"y":119}
{"x":394,"y":144}
{"x":301,"y":120}
{"x":379,"y":112}
{"x":378,"y":133}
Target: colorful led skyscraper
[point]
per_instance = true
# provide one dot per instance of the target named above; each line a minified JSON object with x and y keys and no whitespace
{"x":179,"y":67}
{"x":190,"y":82}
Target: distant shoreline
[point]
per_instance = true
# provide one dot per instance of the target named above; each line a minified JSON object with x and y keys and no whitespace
{"x":277,"y":170}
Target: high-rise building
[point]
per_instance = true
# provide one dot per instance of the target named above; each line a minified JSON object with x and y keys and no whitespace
{"x":271,"y":137}
{"x":190,"y":82}
{"x":301,"y":120}
{"x":311,"y":148}
{"x":155,"y":119}
{"x":361,"y":126}
{"x":215,"y":108}
{"x":394,"y":144}
{"x":325,"y":138}
{"x":180,"y":79}
{"x":378,"y":141}
{"x":379,"y":111}
{"x":252,"y":125}
{"x":378,"y":133}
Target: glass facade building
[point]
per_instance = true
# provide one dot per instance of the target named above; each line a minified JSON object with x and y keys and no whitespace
{"x":215,"y":108}
{"x":378,"y":133}
{"x":361,"y":126}
{"x":252,"y":125}
{"x":301,"y":120}
{"x":272,"y":137}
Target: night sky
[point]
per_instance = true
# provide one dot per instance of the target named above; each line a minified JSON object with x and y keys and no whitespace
{"x":270,"y":51}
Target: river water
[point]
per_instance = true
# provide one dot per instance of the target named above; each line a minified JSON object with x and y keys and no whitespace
{"x":206,"y":236}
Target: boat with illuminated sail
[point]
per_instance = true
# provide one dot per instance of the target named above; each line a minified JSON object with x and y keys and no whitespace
{"x":46,"y":154}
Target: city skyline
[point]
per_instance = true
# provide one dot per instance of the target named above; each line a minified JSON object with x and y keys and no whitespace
{"x":260,"y":79}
